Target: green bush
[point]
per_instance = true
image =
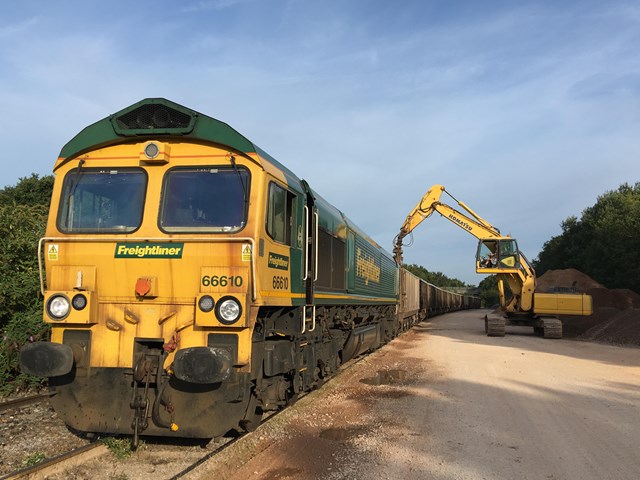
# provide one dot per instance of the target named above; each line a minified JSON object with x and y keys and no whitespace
{"x":23,"y":217}
{"x":22,"y":328}
{"x":21,"y":226}
{"x":33,"y":190}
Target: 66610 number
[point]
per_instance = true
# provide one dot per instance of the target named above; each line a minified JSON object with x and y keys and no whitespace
{"x":280,"y":283}
{"x":222,"y":281}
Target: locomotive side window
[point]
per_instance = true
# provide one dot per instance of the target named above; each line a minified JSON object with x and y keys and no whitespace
{"x":280,"y":216}
{"x":102,"y":201}
{"x":204,"y":199}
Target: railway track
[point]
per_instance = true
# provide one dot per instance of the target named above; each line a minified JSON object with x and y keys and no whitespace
{"x":266,"y":418}
{"x":24,"y":401}
{"x":59,"y":463}
{"x":62,"y":463}
{"x":56,"y":466}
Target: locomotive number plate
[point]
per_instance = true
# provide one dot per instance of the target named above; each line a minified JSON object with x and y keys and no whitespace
{"x":224,"y":279}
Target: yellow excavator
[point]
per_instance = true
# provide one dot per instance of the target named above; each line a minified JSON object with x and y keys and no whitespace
{"x":499,"y":255}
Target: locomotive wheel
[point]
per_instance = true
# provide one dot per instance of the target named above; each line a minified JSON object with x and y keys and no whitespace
{"x":252,"y":418}
{"x":318,"y":376}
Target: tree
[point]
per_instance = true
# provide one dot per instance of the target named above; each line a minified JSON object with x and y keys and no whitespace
{"x":489,"y":291}
{"x":438,"y":279}
{"x":604,"y":243}
{"x":33,"y":190}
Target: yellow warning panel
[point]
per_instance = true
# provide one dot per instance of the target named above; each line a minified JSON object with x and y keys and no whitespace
{"x":246,"y":252}
{"x":52,"y":252}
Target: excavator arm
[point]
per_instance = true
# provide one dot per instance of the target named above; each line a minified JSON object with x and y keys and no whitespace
{"x":502,"y":255}
{"x":499,"y":255}
{"x":429,"y":203}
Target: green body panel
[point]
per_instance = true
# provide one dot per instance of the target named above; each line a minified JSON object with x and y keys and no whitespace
{"x":375,"y":270}
{"x":370,"y":272}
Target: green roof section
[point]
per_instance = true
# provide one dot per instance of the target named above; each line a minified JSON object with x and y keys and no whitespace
{"x":155,"y":117}
{"x":162,"y":118}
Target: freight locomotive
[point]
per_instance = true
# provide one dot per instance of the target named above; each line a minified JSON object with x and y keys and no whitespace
{"x":192,"y":282}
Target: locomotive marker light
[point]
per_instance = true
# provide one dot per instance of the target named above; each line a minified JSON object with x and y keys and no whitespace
{"x":58,"y":308}
{"x":206,"y":303}
{"x":79,"y":301}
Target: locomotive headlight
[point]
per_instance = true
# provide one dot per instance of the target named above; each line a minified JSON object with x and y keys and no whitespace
{"x":151,"y":150}
{"x":228,"y":310}
{"x":206,"y":303}
{"x":79,"y":301}
{"x":58,"y":307}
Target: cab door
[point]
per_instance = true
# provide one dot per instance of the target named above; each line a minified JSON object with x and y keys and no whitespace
{"x":283,"y":249}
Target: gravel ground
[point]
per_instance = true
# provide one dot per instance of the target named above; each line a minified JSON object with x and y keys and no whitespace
{"x":467,"y":407}
{"x":30,"y":432}
{"x":441,"y":402}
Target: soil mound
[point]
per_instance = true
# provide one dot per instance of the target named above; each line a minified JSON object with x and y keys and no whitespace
{"x":620,"y":298}
{"x":569,"y":278}
{"x":616,"y":312}
{"x":622,"y":328}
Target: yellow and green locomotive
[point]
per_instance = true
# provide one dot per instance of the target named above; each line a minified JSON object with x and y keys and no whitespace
{"x":193,"y":282}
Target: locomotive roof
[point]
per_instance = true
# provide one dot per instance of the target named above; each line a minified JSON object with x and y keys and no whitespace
{"x":160,"y":117}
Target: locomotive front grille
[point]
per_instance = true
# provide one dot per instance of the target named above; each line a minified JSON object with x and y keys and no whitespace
{"x":153,"y":117}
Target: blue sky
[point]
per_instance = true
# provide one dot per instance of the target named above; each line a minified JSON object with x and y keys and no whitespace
{"x":527,"y":111}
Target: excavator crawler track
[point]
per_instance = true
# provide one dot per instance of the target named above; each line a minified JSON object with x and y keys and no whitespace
{"x":494,"y":325}
{"x":551,"y":327}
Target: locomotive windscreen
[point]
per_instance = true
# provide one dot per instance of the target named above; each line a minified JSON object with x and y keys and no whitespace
{"x":204,"y":199}
{"x":102,"y":201}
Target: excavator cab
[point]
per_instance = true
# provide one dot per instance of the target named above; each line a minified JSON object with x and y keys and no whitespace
{"x":497,"y":255}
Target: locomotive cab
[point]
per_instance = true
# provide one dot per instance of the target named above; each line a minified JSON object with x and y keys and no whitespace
{"x":149,"y":269}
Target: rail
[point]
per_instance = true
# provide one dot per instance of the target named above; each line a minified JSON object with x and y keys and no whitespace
{"x":59,"y":463}
{"x":23,"y":401}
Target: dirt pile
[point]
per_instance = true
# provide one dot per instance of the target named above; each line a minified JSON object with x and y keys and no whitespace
{"x":621,"y":298}
{"x":616,"y":312}
{"x":569,"y":278}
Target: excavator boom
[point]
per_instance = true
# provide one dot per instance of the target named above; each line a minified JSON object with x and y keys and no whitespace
{"x":498,"y":255}
{"x":429,"y":203}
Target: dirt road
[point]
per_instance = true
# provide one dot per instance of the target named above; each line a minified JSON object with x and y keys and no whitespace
{"x":446,"y":402}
